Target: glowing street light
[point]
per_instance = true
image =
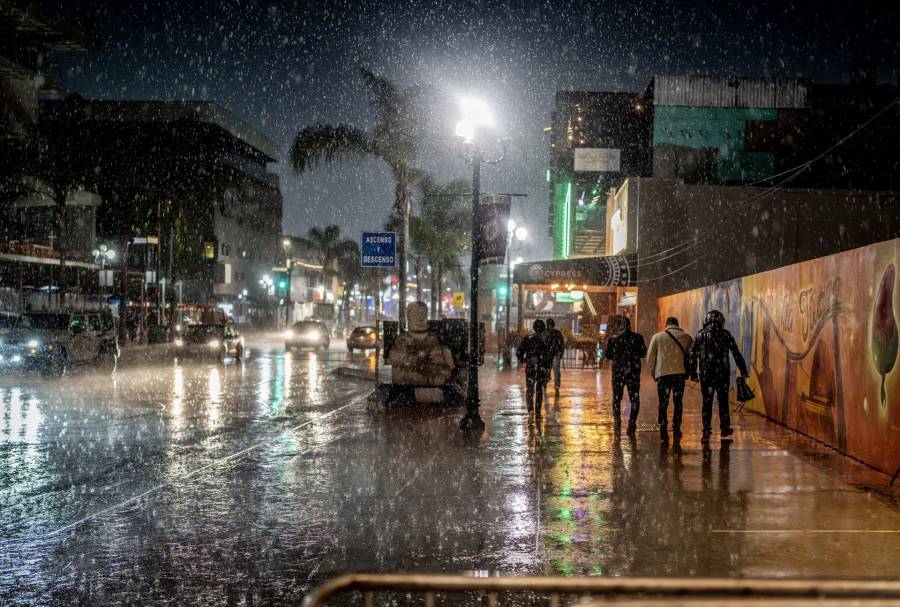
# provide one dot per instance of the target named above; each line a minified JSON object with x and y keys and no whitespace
{"x":474,"y":114}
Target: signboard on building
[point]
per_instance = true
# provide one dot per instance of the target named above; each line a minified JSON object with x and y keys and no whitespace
{"x":493,"y":227}
{"x":577,"y":273}
{"x":459,"y":300}
{"x":379,"y":250}
{"x":597,"y":159}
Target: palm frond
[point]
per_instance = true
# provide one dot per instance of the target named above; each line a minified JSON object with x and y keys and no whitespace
{"x":383,"y":94}
{"x":329,"y":143}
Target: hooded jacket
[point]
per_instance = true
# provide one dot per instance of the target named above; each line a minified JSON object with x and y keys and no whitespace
{"x":711,"y":348}
{"x":664,"y":356}
{"x":626,"y":350}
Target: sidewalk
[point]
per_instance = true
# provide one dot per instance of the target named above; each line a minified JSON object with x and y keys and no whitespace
{"x":768,"y":503}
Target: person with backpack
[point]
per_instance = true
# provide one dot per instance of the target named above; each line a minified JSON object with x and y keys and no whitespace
{"x":669,"y":362}
{"x":536,"y":354}
{"x":625,"y":350}
{"x":557,"y":347}
{"x":710,"y":352}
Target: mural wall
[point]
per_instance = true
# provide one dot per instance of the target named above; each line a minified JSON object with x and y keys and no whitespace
{"x":821,"y":340}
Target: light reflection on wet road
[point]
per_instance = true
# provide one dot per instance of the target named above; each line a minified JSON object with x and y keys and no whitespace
{"x":236,"y":483}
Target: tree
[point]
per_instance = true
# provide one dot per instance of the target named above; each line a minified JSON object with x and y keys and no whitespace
{"x":334,"y":254}
{"x":349,"y":273}
{"x":445,"y":221}
{"x":393,"y":139}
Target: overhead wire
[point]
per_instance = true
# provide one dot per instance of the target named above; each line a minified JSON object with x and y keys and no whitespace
{"x":681,"y":248}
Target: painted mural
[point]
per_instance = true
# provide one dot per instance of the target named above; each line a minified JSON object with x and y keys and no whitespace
{"x":821,"y":339}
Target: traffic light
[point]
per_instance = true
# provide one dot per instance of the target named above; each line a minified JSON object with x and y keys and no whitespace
{"x":501,"y":292}
{"x":282,"y":283}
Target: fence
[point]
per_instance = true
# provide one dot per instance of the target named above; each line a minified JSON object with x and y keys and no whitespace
{"x":430,"y":590}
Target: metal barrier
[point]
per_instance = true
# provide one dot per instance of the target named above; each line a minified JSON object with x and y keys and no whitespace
{"x":631,"y":591}
{"x":579,"y":357}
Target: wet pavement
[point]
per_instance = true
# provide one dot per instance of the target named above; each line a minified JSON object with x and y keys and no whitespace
{"x":248,"y":484}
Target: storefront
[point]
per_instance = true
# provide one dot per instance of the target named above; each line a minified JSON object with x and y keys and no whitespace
{"x":583,"y":295}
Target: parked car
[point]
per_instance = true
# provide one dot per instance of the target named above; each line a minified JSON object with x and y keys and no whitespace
{"x":363,"y":338}
{"x":210,"y":341}
{"x":307,"y":334}
{"x":50,"y":341}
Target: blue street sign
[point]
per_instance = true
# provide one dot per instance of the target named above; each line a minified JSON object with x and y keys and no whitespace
{"x":379,"y":250}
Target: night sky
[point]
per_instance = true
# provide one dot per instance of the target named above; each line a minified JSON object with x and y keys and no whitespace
{"x":281,"y":66}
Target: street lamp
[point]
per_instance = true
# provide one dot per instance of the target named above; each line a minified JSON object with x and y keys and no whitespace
{"x":103,"y":255}
{"x":475,"y":113}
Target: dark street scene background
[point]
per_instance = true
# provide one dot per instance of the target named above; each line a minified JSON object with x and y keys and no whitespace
{"x":419,"y":303}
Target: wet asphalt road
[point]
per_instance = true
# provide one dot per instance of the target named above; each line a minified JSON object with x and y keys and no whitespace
{"x":161,"y":478}
{"x":248,"y":484}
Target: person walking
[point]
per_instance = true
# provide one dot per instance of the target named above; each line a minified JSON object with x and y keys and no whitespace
{"x":557,"y":347}
{"x":625,"y":350}
{"x":535,"y":353}
{"x":668,"y":361}
{"x":710,"y":352}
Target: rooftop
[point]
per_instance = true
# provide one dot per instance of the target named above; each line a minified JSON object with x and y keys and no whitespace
{"x":203,"y":112}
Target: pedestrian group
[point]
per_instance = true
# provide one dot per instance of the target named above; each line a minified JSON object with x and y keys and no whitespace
{"x":672,"y":358}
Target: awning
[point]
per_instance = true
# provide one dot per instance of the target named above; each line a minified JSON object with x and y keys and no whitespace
{"x":607,"y":271}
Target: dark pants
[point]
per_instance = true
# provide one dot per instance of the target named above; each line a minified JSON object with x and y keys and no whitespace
{"x":715,"y":388}
{"x":632,"y":381}
{"x":675,"y":385}
{"x":535,"y":384}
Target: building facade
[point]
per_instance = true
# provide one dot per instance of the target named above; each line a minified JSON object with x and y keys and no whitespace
{"x":596,"y":139}
{"x":189,"y":174}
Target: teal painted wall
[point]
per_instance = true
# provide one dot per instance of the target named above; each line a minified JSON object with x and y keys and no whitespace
{"x":716,"y":127}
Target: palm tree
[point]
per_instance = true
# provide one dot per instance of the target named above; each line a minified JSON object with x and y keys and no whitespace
{"x":330,"y":250}
{"x":445,"y":222}
{"x":349,"y":273}
{"x":393,"y":139}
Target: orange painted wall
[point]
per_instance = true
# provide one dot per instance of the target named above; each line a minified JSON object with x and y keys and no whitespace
{"x":821,"y":340}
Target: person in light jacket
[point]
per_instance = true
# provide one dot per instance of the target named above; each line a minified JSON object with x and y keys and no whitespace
{"x":668,"y":361}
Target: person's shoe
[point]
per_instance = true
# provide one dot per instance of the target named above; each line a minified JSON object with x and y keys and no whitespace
{"x":632,"y":428}
{"x":556,"y":390}
{"x":537,"y":413}
{"x":676,"y":435}
{"x":663,"y":434}
{"x":706,"y":435}
{"x":530,"y":407}
{"x":726,"y":432}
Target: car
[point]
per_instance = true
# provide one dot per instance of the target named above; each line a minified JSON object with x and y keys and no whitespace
{"x":363,"y":338}
{"x":216,"y":341}
{"x":307,"y":334}
{"x":51,"y":341}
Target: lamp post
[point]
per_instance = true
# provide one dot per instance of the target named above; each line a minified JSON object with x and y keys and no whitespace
{"x":513,"y":234}
{"x":475,"y":113}
{"x":289,"y":264}
{"x":103,"y":255}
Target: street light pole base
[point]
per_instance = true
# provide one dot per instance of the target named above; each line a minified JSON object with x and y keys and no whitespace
{"x":471,"y":421}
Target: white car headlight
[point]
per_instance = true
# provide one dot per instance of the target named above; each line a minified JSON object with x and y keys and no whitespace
{"x":311,"y":335}
{"x":33,"y":343}
{"x":16,"y":358}
{"x":214,"y":343}
{"x":289,"y":333}
{"x":179,"y":342}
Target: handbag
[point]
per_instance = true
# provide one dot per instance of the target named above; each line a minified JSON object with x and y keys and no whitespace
{"x":742,"y":390}
{"x":687,"y":357}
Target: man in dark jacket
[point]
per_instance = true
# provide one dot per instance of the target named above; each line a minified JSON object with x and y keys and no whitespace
{"x":710,"y":351}
{"x":536,"y":354}
{"x":625,"y":351}
{"x":558,"y":348}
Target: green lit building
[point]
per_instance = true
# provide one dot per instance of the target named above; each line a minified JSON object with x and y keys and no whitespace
{"x":597,"y":139}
